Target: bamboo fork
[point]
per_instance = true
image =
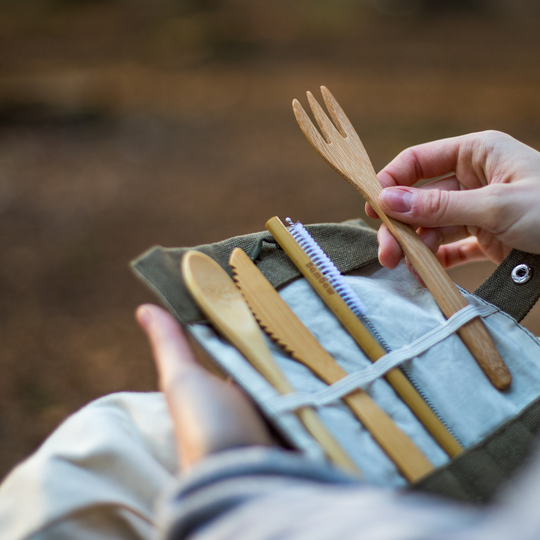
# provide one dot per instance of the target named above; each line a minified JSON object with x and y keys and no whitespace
{"x":342,"y":149}
{"x":217,"y":296}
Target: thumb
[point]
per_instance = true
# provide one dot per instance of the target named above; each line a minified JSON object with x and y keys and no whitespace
{"x":438,"y":208}
{"x":209,"y":415}
{"x":172,"y":352}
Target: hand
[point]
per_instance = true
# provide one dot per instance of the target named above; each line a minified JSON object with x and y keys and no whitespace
{"x":486,"y":205}
{"x":209,"y":415}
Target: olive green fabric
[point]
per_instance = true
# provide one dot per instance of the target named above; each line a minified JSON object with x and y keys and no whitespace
{"x":482,"y":470}
{"x":350,"y":245}
{"x":479,"y":472}
{"x":516,"y":299}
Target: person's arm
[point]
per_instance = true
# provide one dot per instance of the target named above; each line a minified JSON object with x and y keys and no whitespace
{"x":235,"y":484}
{"x":487,"y":203}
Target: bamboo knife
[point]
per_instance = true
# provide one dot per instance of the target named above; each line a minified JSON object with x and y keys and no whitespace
{"x":283,"y":326}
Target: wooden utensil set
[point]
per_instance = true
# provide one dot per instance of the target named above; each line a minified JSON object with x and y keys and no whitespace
{"x":226,"y":305}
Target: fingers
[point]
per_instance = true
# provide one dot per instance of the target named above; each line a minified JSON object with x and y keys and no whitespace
{"x":441,"y":208}
{"x":448,"y":182}
{"x":489,"y":188}
{"x":390,"y":252}
{"x":460,"y":252}
{"x":436,"y":237}
{"x":476,"y":160}
{"x":170,"y":347}
{"x":209,"y":415}
{"x":429,"y":160}
{"x":452,"y":246}
{"x":370,"y":212}
{"x":435,"y":159}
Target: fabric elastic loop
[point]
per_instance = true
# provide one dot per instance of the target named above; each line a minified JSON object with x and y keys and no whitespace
{"x":255,"y":251}
{"x":363,"y":377}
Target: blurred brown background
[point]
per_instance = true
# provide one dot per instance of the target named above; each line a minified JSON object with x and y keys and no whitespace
{"x":125,"y":124}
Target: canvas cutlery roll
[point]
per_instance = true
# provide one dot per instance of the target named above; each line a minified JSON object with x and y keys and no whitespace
{"x":496,"y":428}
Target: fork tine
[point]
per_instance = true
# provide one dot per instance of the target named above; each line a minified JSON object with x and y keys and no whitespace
{"x":309,"y":130}
{"x":328,"y":129}
{"x":343,"y":124}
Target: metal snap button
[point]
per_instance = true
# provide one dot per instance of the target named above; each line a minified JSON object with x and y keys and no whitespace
{"x":521,"y":274}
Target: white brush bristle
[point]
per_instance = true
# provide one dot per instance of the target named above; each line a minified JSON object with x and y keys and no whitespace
{"x":326,"y":267}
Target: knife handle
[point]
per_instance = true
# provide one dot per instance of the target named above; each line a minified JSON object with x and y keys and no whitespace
{"x":395,"y":442}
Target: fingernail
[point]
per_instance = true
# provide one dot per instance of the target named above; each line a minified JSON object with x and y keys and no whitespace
{"x":397,"y":199}
{"x":145,"y":317}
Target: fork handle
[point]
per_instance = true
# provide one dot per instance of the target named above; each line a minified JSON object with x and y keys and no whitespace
{"x":474,"y":334}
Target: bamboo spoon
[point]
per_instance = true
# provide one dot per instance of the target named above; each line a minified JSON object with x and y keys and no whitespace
{"x":342,"y":149}
{"x":217,"y":296}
